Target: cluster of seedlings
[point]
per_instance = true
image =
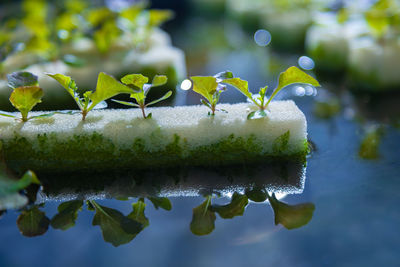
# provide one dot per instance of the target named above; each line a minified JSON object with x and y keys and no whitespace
{"x":27,"y":93}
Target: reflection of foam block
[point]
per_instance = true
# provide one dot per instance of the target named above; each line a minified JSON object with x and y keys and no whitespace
{"x":274,"y":177}
{"x":186,"y":135}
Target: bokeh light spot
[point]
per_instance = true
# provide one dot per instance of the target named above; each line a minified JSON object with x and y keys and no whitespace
{"x":186,"y":84}
{"x":306,"y":63}
{"x":262,"y":37}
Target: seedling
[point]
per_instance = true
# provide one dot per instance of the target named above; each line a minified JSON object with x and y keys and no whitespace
{"x":26,"y":94}
{"x":210,"y":89}
{"x":138,"y":83}
{"x":106,"y":88}
{"x":292,"y":75}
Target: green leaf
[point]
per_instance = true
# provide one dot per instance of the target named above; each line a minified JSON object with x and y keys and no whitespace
{"x":258,"y":114}
{"x":9,"y":190}
{"x":158,"y":16}
{"x":262,"y":93}
{"x":205,"y":103}
{"x":105,"y":35}
{"x":241,"y":85}
{"x":46,"y":115}
{"x":106,"y":88}
{"x":291,"y":216}
{"x":67,"y":214}
{"x":25,"y":98}
{"x":117,"y":229}
{"x":223,"y":75}
{"x":292,"y":75}
{"x":161,"y":202}
{"x":159,"y":80}
{"x":33,"y":222}
{"x":235,"y":208}
{"x":97,"y":16}
{"x":281,"y":143}
{"x":203,"y":219}
{"x":379,"y":16}
{"x":138,"y":213}
{"x":22,"y":78}
{"x":168,"y":94}
{"x":205,"y":86}
{"x":135,"y":81}
{"x":343,"y":15}
{"x":69,"y":84}
{"x":126,"y":103}
{"x":4,"y":114}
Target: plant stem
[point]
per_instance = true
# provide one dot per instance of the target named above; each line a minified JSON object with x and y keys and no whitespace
{"x":212,"y":110}
{"x":144,"y":114}
{"x":84,"y":113}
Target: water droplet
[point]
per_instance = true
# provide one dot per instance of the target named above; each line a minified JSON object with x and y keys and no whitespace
{"x":309,"y":90}
{"x":299,"y":90}
{"x":186,"y":84}
{"x":306,"y":63}
{"x":262,"y":37}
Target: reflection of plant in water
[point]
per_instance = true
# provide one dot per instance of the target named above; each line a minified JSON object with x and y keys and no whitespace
{"x":290,"y":216}
{"x":116,"y":228}
{"x":32,"y":222}
{"x":369,"y":147}
{"x":203,"y":219}
{"x":67,"y":214}
{"x":10,"y":187}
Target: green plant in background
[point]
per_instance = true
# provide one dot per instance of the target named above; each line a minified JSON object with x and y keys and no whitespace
{"x":38,"y":28}
{"x":138,"y":83}
{"x":25,"y":95}
{"x":43,"y":28}
{"x":210,"y":89}
{"x":291,"y":76}
{"x":383,"y":16}
{"x":107,"y":25}
{"x":106,"y":88}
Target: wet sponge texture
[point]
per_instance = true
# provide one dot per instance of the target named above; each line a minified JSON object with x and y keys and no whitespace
{"x":185,"y":131}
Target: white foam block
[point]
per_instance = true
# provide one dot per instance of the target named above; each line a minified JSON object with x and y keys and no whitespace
{"x":190,"y":123}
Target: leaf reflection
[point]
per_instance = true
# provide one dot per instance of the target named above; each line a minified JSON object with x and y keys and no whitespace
{"x":203,"y":219}
{"x":67,"y":214}
{"x":117,"y":229}
{"x":235,"y":208}
{"x":291,"y":216}
{"x":33,"y":222}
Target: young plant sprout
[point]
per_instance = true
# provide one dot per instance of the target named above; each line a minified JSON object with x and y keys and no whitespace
{"x":26,"y":94}
{"x":291,"y":76}
{"x":138,"y":83}
{"x":210,"y":89}
{"x":106,"y":88}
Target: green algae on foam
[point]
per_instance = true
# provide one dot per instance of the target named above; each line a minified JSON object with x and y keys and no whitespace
{"x":179,"y":136}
